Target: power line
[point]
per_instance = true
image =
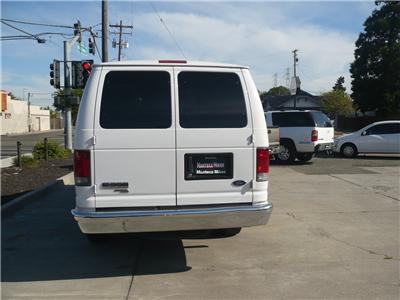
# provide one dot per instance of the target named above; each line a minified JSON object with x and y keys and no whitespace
{"x":166,"y":27}
{"x":23,"y":31}
{"x":37,"y":24}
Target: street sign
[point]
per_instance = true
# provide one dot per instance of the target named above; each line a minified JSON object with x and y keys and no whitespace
{"x":82,"y":49}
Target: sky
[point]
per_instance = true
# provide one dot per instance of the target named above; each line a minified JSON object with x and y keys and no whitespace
{"x":261,"y":35}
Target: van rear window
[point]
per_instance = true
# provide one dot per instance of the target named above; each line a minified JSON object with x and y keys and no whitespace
{"x":211,"y":100}
{"x":136,"y":99}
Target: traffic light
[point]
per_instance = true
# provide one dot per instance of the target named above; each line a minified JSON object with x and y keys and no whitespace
{"x":87,"y":68}
{"x":92,"y":46}
{"x":77,"y":31}
{"x":55,"y":74}
{"x":77,"y":75}
{"x":80,"y":73}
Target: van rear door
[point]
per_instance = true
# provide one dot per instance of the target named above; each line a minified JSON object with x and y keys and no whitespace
{"x":134,"y":129}
{"x":215,"y":160}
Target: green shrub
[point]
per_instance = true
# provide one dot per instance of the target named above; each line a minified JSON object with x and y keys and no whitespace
{"x":55,"y":151}
{"x":27,"y":161}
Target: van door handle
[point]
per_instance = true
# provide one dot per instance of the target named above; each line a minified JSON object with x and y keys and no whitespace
{"x":239,"y":182}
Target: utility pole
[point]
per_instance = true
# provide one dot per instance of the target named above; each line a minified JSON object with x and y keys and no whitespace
{"x":67,"y":92}
{"x":287,"y":77}
{"x":275,"y":79}
{"x":295,"y":60}
{"x":297,"y":81}
{"x":120,"y":33}
{"x":104,"y":31}
{"x":29,"y":113}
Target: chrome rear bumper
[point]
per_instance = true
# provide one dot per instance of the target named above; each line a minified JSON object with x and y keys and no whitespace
{"x":173,"y":220}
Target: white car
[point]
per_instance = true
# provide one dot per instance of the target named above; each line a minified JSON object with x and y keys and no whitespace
{"x":170,"y":145}
{"x":379,"y":137}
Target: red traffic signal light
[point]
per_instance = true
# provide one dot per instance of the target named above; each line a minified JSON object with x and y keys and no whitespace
{"x":86,"y":66}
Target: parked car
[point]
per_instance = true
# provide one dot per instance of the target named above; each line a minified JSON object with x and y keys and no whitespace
{"x":274,"y":140}
{"x":302,"y":133}
{"x":170,"y":145}
{"x":379,"y":137}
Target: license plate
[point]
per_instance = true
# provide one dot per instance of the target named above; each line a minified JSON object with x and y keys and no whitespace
{"x":208,"y":166}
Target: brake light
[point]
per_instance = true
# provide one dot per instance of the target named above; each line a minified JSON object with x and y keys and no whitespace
{"x":82,"y":167}
{"x":314,"y":135}
{"x":172,"y":61}
{"x":262,"y":164}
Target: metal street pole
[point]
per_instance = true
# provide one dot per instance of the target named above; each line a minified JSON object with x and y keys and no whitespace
{"x":120,"y":40}
{"x":104,"y":31}
{"x":67,"y":94}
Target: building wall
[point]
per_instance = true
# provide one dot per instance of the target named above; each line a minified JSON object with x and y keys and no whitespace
{"x":14,"y":117}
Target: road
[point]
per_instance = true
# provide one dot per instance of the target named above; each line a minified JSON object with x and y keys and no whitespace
{"x":9,"y":142}
{"x":333,"y":234}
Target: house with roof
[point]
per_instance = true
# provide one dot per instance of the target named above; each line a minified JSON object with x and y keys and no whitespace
{"x":301,"y":101}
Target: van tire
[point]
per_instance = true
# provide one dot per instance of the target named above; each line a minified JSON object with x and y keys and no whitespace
{"x":349,"y":150}
{"x":304,"y":157}
{"x":287,"y":153}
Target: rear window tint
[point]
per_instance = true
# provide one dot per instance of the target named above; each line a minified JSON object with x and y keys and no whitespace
{"x":136,"y":99}
{"x":321,"y":120}
{"x":292,"y":119}
{"x":211,"y":100}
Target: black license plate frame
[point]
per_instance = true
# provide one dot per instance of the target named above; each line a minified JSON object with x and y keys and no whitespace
{"x":208,"y":166}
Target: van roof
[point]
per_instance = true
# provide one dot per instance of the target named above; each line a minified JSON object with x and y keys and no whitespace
{"x":180,"y":63}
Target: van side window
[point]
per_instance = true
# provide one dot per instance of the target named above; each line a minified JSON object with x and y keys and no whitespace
{"x":211,"y":100}
{"x":136,"y":99}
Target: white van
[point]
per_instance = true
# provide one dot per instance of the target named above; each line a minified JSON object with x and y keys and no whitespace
{"x":168,"y":146}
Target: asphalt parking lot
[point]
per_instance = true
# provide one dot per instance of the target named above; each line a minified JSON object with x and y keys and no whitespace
{"x":334,"y":233}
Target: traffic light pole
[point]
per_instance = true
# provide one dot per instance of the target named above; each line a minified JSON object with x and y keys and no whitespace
{"x":67,"y":93}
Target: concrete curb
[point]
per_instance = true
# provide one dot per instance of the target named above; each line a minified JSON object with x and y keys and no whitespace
{"x":32,"y":133}
{"x":8,"y":162}
{"x":27,"y":198}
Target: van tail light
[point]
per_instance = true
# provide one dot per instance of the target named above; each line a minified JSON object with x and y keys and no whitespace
{"x":262,"y":164}
{"x":82,"y":167}
{"x":314,"y":135}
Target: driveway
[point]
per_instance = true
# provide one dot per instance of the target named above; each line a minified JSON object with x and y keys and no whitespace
{"x":334,"y":233}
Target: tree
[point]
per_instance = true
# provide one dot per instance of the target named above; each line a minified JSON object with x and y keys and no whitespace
{"x":13,"y":97}
{"x":278,"y":91}
{"x":74,"y":108}
{"x":336,"y":102}
{"x":339,"y":84}
{"x":376,"y":68}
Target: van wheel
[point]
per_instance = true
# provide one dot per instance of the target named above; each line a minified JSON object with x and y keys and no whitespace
{"x":96,"y":238}
{"x":287,"y":154}
{"x":304,"y":156}
{"x":349,"y":150}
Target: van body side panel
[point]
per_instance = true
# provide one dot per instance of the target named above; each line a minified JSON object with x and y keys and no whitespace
{"x":260,"y":134}
{"x":83,"y":138}
{"x":197,"y":143}
{"x":134,"y":167}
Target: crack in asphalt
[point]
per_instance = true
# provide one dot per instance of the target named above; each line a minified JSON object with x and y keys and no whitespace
{"x":385,"y":256}
{"x":361,"y":186}
{"x":134,"y":269}
{"x":323,"y":233}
